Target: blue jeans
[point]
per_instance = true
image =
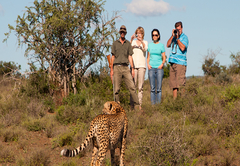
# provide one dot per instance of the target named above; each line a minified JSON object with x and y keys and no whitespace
{"x":155,"y":76}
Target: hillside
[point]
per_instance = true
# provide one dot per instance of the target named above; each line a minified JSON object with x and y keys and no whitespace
{"x":201,"y":127}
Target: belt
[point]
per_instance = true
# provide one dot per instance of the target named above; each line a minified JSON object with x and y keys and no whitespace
{"x":120,"y":64}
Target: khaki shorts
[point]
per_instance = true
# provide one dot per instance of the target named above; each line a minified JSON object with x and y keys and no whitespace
{"x":177,"y":75}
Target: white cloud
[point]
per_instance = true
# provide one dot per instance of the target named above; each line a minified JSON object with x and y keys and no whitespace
{"x":148,"y":7}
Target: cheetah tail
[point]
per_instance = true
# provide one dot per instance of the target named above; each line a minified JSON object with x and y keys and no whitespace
{"x":72,"y":153}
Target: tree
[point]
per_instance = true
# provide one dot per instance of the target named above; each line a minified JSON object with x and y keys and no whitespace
{"x":211,"y":66}
{"x":9,"y":68}
{"x":235,"y":66}
{"x":65,"y":37}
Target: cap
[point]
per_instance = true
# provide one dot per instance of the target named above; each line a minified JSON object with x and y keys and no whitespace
{"x":123,"y":29}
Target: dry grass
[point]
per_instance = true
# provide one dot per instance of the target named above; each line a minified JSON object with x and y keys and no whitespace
{"x":200,"y":127}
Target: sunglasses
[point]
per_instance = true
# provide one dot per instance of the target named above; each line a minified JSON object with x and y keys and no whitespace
{"x":154,"y":35}
{"x":123,"y":28}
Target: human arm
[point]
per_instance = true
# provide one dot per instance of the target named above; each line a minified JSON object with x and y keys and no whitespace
{"x":132,"y":37}
{"x":163,"y":60}
{"x":111,"y":72}
{"x":148,"y":60}
{"x":169,"y":42}
{"x":181,"y":45}
{"x":131,"y":64}
{"x":145,"y":45}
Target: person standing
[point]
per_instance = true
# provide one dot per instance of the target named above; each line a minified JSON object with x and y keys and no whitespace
{"x":177,"y":59}
{"x":155,"y":61}
{"x":121,"y":57}
{"x":139,"y":53}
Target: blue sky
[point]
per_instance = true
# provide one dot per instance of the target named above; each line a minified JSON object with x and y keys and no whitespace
{"x":209,"y":25}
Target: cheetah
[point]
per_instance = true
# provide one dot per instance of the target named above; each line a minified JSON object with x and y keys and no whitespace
{"x":106,"y":131}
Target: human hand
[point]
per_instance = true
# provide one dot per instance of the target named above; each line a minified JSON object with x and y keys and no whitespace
{"x":149,"y":67}
{"x":173,"y":34}
{"x":133,"y":73}
{"x":133,"y":36}
{"x":161,"y":66}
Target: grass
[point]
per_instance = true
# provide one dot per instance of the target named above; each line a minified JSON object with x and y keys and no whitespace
{"x":200,"y":127}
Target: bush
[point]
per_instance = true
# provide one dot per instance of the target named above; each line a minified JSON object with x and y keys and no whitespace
{"x":234,"y":68}
{"x":75,"y":100}
{"x":230,"y":95}
{"x":33,"y":125}
{"x":37,"y":158}
{"x":62,"y":140}
{"x":204,"y":145}
{"x":210,"y":66}
{"x":224,"y":78}
{"x":6,"y":154}
{"x":36,"y":85}
{"x":11,"y":134}
{"x":8,"y":67}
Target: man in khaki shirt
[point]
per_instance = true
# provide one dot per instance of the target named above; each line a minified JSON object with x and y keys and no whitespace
{"x":121,"y":57}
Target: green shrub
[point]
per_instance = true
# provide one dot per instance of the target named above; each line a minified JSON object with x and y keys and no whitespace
{"x":211,"y":67}
{"x":69,"y":114}
{"x":166,"y":70}
{"x":75,"y":100}
{"x":36,"y":85}
{"x":33,"y":125}
{"x":230,"y":95}
{"x":8,"y":67}
{"x":62,"y":140}
{"x":49,"y":103}
{"x":234,"y":68}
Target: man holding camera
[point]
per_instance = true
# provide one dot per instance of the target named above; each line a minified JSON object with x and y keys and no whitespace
{"x":178,"y":59}
{"x":121,"y":57}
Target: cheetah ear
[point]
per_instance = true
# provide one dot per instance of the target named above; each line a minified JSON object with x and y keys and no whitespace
{"x":118,"y":102}
{"x":110,"y":106}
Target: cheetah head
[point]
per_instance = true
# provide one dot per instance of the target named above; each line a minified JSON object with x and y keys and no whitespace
{"x":112,"y":107}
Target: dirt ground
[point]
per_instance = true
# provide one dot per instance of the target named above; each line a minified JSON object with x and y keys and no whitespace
{"x":34,"y":141}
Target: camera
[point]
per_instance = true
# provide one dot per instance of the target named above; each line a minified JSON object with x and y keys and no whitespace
{"x":175,"y":31}
{"x":136,"y":35}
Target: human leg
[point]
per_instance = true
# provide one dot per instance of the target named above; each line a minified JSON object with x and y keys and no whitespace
{"x":141,"y":77}
{"x":173,"y":79}
{"x":130,"y":84}
{"x":117,"y":81}
{"x":181,"y":75}
{"x":175,"y":90}
{"x":181,"y":79}
{"x":159,"y":76}
{"x":152,"y":78}
{"x":135,"y":83}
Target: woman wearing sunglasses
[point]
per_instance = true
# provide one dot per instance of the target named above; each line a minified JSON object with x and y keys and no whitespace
{"x":155,"y":61}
